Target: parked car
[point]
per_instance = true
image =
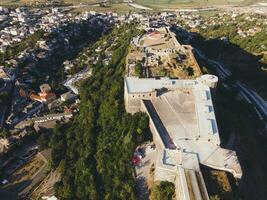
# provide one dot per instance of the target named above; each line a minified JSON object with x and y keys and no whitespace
{"x":4,"y":182}
{"x":141,"y":152}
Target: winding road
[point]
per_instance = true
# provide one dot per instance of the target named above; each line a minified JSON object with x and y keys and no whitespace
{"x":249,"y":94}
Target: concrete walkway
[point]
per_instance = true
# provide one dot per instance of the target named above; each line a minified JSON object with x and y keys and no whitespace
{"x":142,"y":173}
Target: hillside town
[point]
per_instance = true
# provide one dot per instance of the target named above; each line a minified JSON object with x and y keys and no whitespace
{"x":29,"y":103}
{"x":48,"y":54}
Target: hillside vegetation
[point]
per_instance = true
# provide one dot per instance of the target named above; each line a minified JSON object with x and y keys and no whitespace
{"x":96,"y":148}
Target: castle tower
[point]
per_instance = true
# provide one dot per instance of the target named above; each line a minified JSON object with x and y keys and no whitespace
{"x":209,"y":80}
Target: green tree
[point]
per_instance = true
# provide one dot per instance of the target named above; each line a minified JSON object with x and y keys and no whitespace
{"x":5,"y":133}
{"x":163,"y":191}
{"x":98,"y":144}
{"x":215,"y":197}
{"x":138,"y":69}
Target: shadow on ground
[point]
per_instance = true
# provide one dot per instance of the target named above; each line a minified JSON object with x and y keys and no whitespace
{"x":11,"y":192}
{"x":238,"y":117}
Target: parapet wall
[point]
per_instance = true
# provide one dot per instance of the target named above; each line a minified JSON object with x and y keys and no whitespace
{"x":156,"y":136}
{"x":189,"y":184}
{"x":133,"y":101}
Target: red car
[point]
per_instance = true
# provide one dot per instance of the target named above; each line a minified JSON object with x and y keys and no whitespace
{"x":136,"y":160}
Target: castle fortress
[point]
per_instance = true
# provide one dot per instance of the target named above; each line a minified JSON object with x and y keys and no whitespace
{"x":181,"y":113}
{"x":184,"y":128}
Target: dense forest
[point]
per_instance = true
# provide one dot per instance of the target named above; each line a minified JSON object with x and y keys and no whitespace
{"x":95,"y":149}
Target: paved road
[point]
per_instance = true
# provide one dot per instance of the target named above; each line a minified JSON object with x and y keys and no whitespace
{"x":135,"y":5}
{"x":253,"y":98}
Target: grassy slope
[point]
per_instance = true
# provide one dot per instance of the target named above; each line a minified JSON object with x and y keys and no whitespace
{"x":168,"y":2}
{"x":119,"y":8}
{"x":176,"y":3}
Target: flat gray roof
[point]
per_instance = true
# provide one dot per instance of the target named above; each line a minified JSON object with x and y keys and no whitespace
{"x":179,"y":114}
{"x":137,"y":85}
{"x":190,"y":114}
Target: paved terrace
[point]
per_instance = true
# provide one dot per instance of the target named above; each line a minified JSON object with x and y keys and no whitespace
{"x":194,"y":132}
{"x":183,"y":115}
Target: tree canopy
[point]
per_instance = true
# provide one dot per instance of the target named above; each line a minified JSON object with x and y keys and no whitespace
{"x":163,"y":191}
{"x":98,"y":144}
